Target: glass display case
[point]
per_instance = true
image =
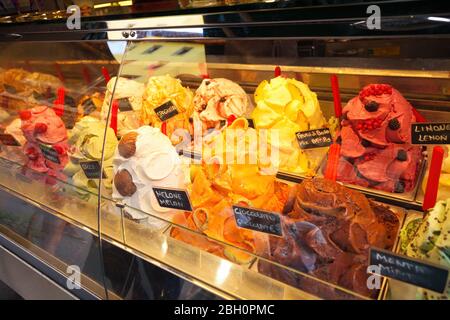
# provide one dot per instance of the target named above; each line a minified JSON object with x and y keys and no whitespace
{"x":258,"y":154}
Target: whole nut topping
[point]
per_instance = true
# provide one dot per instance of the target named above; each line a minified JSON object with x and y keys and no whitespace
{"x":124,"y":183}
{"x":127,"y":145}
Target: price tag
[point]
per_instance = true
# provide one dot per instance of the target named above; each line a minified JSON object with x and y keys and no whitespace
{"x":166,"y":111}
{"x":317,"y":138}
{"x":409,"y":270}
{"x":49,"y":153}
{"x":124,"y":105}
{"x":258,"y":220}
{"x":92,"y":169}
{"x":430,"y":133}
{"x":173,"y":198}
{"x":88,"y":106}
{"x":9,"y":140}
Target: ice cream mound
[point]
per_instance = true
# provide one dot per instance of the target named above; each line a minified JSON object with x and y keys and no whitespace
{"x":15,"y":153}
{"x":25,"y":88}
{"x":128,"y":95}
{"x":444,"y":179}
{"x":215,"y":188}
{"x":41,"y":126}
{"x":240,"y":144}
{"x":328,"y":230}
{"x":165,"y":90}
{"x":289,"y":106}
{"x":375,"y":140}
{"x":86,"y":144}
{"x":145,"y":158}
{"x":429,"y":240}
{"x":219,"y":100}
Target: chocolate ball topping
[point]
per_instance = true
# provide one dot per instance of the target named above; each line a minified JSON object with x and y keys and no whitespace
{"x":402,"y":155}
{"x":399,"y":186}
{"x":365,"y":143}
{"x":372,"y":106}
{"x":394,"y":124}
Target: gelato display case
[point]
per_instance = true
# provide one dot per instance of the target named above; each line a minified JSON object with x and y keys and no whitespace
{"x":264,"y":153}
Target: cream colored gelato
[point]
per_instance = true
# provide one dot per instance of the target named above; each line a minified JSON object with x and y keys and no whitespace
{"x":128,"y":94}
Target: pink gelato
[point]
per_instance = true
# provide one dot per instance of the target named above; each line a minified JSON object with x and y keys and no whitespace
{"x":375,"y":140}
{"x":43,"y":128}
{"x":218,"y":100}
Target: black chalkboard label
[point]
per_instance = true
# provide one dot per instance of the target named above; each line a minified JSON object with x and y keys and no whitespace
{"x":409,"y":270}
{"x":258,"y":220}
{"x":92,"y":169}
{"x":430,"y":133}
{"x":173,"y":198}
{"x":49,"y":153}
{"x":9,"y":140}
{"x":317,"y":138}
{"x":166,"y":111}
{"x":124,"y":105}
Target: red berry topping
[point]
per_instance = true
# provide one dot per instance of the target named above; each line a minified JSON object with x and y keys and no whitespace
{"x":40,"y":128}
{"x":31,"y":153}
{"x":375,"y":90}
{"x":230,"y":119}
{"x":59,"y":149}
{"x":25,"y":114}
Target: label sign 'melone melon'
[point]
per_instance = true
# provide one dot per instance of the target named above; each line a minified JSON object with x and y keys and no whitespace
{"x":172,"y":198}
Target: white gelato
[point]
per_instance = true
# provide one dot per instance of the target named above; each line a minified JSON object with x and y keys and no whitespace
{"x":151,"y":161}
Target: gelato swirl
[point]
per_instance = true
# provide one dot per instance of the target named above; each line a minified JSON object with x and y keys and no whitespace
{"x":165,"y":89}
{"x":145,"y":158}
{"x":86,"y":141}
{"x":128,"y":94}
{"x":289,"y":106}
{"x":429,"y":240}
{"x":219,"y":99}
{"x":328,"y":230}
{"x":41,"y":125}
{"x":375,"y":140}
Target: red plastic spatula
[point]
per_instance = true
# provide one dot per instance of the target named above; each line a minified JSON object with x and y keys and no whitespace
{"x":336,"y":96}
{"x":106,"y":75}
{"x":59,"y":72}
{"x":86,"y":76}
{"x":114,"y":111}
{"x":277,"y":71}
{"x":58,"y":104}
{"x":433,"y":178}
{"x":203,"y":67}
{"x":333,"y":162}
{"x":335,"y":149}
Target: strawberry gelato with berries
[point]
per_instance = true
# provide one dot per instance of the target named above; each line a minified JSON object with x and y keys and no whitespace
{"x":375,"y":138}
{"x":42,"y":128}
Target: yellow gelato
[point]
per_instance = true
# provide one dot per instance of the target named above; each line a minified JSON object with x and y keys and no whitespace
{"x":165,"y":89}
{"x":289,"y":106}
{"x":86,"y":141}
